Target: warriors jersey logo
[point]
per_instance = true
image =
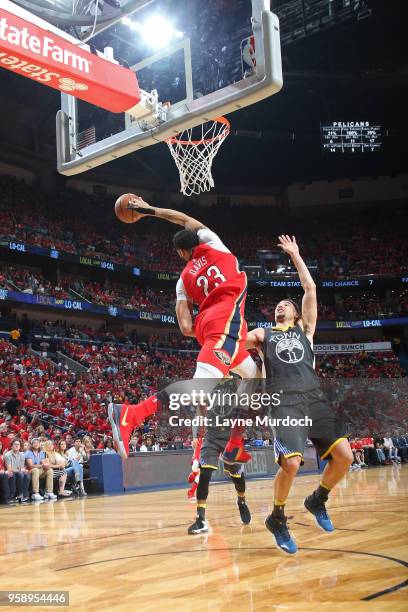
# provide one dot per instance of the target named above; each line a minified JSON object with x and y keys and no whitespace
{"x":290,"y":350}
{"x":223,"y":357}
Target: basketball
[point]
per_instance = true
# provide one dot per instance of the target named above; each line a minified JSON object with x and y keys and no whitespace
{"x":123,"y":213}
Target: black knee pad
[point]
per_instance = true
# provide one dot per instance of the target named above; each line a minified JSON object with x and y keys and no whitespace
{"x":203,"y":483}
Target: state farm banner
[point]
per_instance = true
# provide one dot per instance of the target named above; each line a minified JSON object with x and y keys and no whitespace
{"x":352,"y":348}
{"x":32,"y":48}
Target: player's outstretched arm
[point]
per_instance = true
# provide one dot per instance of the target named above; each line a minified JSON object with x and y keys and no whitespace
{"x":309,"y":302}
{"x":173,"y":216}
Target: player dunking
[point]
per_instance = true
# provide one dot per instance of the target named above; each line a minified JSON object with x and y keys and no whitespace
{"x":211,"y":278}
{"x":289,"y":367}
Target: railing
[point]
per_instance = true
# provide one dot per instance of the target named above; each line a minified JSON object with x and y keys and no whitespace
{"x":301,"y":18}
{"x":72,"y":364}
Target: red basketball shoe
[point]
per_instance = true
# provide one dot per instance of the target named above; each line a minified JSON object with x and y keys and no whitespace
{"x":124,"y":418}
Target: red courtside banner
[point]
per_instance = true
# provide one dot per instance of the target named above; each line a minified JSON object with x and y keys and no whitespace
{"x":40,"y":54}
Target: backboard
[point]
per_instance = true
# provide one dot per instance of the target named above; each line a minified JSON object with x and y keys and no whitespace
{"x":217,"y":57}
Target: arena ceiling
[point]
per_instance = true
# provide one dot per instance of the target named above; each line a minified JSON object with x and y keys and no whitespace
{"x":354,"y":71}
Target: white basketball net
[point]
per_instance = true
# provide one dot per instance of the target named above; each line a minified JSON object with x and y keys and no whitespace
{"x":194,"y":158}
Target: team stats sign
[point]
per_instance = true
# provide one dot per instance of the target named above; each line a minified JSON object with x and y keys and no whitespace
{"x":350,"y":137}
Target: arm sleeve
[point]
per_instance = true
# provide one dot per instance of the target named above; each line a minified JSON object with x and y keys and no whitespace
{"x":206,"y":236}
{"x":181,"y":291}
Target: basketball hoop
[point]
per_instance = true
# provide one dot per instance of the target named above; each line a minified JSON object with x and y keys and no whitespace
{"x":194,"y":158}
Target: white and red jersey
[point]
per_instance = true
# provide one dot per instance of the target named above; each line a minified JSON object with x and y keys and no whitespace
{"x":212,"y":275}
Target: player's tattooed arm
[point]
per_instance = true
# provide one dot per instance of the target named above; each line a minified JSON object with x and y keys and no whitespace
{"x":185,"y":318}
{"x":309,"y":302}
{"x":167,"y":214}
{"x":255,"y":338}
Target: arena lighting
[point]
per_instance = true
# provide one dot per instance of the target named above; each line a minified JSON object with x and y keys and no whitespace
{"x":156,"y":31}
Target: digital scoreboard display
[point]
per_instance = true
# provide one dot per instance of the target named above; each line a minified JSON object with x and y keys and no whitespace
{"x":350,"y":137}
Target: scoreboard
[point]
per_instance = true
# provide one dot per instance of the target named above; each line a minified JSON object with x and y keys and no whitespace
{"x":350,"y":137}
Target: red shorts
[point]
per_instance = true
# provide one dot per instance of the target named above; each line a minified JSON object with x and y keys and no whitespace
{"x":221,"y":330}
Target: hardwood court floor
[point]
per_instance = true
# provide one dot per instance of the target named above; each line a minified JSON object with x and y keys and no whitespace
{"x":132,"y":552}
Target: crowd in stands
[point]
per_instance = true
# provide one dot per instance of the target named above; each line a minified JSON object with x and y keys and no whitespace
{"x":56,"y":400}
{"x":47,"y":329}
{"x":371,"y":305}
{"x":173,"y":341}
{"x":29,"y":281}
{"x":27,"y":465}
{"x":132,"y":298}
{"x":343,"y":307}
{"x":64,"y":398}
{"x":17,"y":277}
{"x":262,"y":307}
{"x":359,"y":365}
{"x":388,"y":449}
{"x":46,"y":409}
{"x":337,"y":245}
{"x":259,"y":306}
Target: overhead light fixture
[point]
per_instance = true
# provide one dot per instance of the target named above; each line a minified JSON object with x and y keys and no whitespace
{"x":156,"y":31}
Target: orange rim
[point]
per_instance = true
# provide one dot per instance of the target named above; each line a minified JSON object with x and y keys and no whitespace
{"x":223,"y":134}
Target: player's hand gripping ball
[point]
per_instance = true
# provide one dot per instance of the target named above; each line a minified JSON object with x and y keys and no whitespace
{"x":128,"y":208}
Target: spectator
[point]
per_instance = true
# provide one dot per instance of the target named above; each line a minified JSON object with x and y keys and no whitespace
{"x":358,"y":454}
{"x":39,"y":468}
{"x":403,"y":440}
{"x":5,"y":438}
{"x":402,"y":449}
{"x":69,"y":440}
{"x":26,"y":327}
{"x":370,"y":454}
{"x":4,"y":480}
{"x":15,"y":336}
{"x":57,"y":463}
{"x":379,"y":447}
{"x":73,"y":467}
{"x":156,"y":446}
{"x":108,"y":446}
{"x":267,"y":439}
{"x":12,"y":405}
{"x":77,"y":452}
{"x":88,"y":447}
{"x":19,"y":477}
{"x":392,"y":451}
{"x":133,"y":444}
